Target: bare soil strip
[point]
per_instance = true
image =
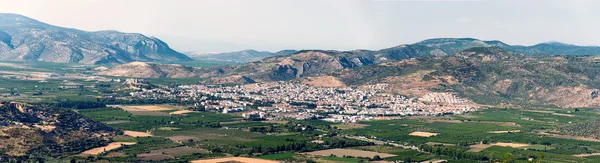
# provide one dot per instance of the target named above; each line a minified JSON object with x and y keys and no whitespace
{"x":586,"y":154}
{"x":423,"y":134}
{"x":349,"y":152}
{"x":502,"y":132}
{"x":136,"y":133}
{"x":234,"y":159}
{"x":111,"y":146}
{"x":569,"y":137}
{"x":181,"y":112}
{"x":480,"y":147}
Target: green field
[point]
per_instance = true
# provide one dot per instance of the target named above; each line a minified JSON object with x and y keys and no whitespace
{"x":475,"y":128}
{"x":278,"y":156}
{"x":342,"y":159}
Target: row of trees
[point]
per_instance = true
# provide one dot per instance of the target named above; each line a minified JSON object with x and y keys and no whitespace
{"x":454,"y":152}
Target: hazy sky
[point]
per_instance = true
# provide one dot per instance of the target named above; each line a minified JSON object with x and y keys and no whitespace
{"x":230,"y":25}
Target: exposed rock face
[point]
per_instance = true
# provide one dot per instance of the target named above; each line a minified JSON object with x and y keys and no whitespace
{"x":22,"y":38}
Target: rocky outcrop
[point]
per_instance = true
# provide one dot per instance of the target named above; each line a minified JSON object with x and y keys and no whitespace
{"x":39,"y":130}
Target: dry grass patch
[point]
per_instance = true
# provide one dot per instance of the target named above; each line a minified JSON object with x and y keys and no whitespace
{"x":234,"y":160}
{"x":345,"y":126}
{"x":480,"y":147}
{"x":423,"y":134}
{"x":12,"y":65}
{"x":349,"y":152}
{"x":115,"y":154}
{"x":566,"y":115}
{"x":550,"y":112}
{"x":587,"y":154}
{"x":115,"y":122}
{"x":111,"y":146}
{"x":445,"y":120}
{"x":168,"y":128}
{"x":468,"y":116}
{"x":512,"y":145}
{"x":275,"y":122}
{"x":147,"y":108}
{"x":183,"y":138}
{"x":136,"y":133}
{"x":324,"y":81}
{"x":502,"y":132}
{"x":415,"y":84}
{"x":436,"y":161}
{"x":181,"y":112}
{"x":180,"y":151}
{"x":568,"y":137}
{"x":154,"y":157}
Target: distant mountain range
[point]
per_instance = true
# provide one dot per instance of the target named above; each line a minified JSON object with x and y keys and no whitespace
{"x":430,"y":47}
{"x":243,"y":56}
{"x":453,"y":45}
{"x":26,"y":39}
{"x":263,"y":66}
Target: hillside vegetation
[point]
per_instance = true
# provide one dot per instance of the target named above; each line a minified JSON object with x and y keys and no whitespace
{"x":494,"y":76}
{"x":29,"y":129}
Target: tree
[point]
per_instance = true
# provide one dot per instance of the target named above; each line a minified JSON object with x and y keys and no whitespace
{"x":507,"y":158}
{"x":376,"y":158}
{"x":540,"y":158}
{"x":407,"y":160}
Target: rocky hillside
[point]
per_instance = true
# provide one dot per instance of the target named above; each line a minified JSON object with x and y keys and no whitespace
{"x":243,"y":56}
{"x":151,"y":70}
{"x":490,"y":76}
{"x":317,"y":62}
{"x":307,"y":63}
{"x":39,"y":130}
{"x":26,"y":39}
{"x":556,"y":48}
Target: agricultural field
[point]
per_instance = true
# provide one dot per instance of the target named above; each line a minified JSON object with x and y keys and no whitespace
{"x":278,"y":156}
{"x":172,"y":131}
{"x":109,"y":147}
{"x":235,"y":159}
{"x":343,"y":159}
{"x":349,"y":152}
{"x":208,"y":134}
{"x":496,"y":131}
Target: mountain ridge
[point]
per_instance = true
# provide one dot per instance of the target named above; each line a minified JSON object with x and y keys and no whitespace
{"x":24,"y":38}
{"x":243,"y":56}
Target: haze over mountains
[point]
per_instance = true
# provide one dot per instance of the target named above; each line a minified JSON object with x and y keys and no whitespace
{"x":26,"y":39}
{"x":243,"y":56}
